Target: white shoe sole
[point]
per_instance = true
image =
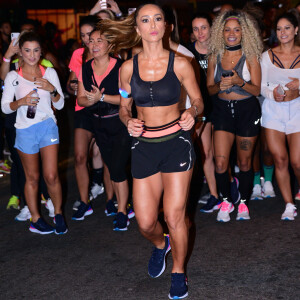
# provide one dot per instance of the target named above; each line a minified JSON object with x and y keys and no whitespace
{"x":289,"y":219}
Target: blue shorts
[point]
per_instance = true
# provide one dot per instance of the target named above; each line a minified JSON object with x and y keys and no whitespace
{"x":29,"y":140}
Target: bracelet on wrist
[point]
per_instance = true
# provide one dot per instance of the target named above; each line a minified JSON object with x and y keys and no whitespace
{"x":54,"y":93}
{"x":6,"y":59}
{"x":196,"y":110}
{"x":102,"y":98}
{"x":120,"y":14}
{"x":244,"y":82}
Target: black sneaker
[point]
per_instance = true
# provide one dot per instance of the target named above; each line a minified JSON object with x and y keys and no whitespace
{"x":157,"y":262}
{"x":82,"y":211}
{"x":121,"y":222}
{"x":234,"y":191}
{"x":179,"y":289}
{"x":41,"y":227}
{"x":212,"y":204}
{"x":61,"y":227}
{"x":110,"y":209}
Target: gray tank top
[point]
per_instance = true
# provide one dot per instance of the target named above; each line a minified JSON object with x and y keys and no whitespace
{"x":239,"y":69}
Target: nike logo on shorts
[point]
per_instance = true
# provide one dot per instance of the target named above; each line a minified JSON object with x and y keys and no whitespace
{"x":53,"y":140}
{"x":182,"y":164}
{"x":256,"y":122}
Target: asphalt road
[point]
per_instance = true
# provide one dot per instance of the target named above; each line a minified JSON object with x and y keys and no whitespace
{"x":255,"y":259}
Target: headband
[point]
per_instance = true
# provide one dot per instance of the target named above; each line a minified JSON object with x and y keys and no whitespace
{"x":232,"y":18}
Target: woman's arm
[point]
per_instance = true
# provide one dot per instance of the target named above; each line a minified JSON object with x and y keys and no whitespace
{"x":212,"y":87}
{"x":134,"y":126}
{"x":252,"y":88}
{"x":11,"y":51}
{"x":188,"y":79}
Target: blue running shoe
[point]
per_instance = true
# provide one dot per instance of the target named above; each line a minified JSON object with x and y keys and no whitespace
{"x":82,"y":211}
{"x":41,"y":227}
{"x":212,"y":204}
{"x":61,"y":227}
{"x":157,"y":262}
{"x":179,"y":289}
{"x":121,"y":222}
{"x":234,"y":191}
{"x":110,"y":209}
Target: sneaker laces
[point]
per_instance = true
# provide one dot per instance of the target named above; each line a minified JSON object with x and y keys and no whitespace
{"x":290,"y":208}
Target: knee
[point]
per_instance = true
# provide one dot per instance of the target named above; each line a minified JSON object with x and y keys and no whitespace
{"x":220,"y":166}
{"x":244,"y":164}
{"x":281,"y":162}
{"x":80,"y":159}
{"x":32,"y":178}
{"x":51,"y":178}
{"x":146,"y":225}
{"x":208,"y":154}
{"x":295,"y":165}
{"x":175,"y":219}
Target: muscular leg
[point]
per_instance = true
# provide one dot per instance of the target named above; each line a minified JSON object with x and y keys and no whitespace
{"x":207,"y":158}
{"x":146,"y":195}
{"x":31,"y":168}
{"x":82,"y":139}
{"x":294,"y":146}
{"x":277,"y":145}
{"x":176,"y":188}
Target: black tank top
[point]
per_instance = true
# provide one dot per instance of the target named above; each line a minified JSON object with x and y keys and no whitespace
{"x":163,"y":92}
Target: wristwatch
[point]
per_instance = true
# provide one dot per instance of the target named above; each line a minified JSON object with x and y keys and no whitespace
{"x":54,"y":93}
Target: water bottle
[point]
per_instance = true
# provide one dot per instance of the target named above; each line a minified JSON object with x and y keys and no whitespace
{"x":32,"y":109}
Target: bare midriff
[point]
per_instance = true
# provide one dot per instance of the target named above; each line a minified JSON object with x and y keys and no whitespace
{"x":158,"y":115}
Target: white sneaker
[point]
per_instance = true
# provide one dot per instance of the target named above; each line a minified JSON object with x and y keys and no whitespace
{"x":96,"y":190}
{"x":50,"y":207}
{"x":290,"y":212}
{"x":225,"y":210}
{"x":268,"y":190}
{"x":24,"y":214}
{"x":256,"y":193}
{"x":243,"y":211}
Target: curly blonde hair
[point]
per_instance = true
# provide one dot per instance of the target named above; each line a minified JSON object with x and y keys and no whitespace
{"x":251,"y":43}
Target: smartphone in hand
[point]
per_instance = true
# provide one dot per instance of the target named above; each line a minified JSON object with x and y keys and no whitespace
{"x":103,"y":4}
{"x":280,"y":90}
{"x":15,"y":36}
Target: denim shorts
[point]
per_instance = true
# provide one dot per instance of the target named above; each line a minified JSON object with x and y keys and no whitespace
{"x":29,"y":140}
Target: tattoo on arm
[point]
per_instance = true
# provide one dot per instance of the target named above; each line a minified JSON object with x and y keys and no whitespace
{"x":245,"y":145}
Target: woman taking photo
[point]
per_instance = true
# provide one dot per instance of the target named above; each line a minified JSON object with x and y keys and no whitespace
{"x":281,"y":108}
{"x":99,"y":91}
{"x":234,"y":74}
{"x":37,"y":133}
{"x":162,"y":151}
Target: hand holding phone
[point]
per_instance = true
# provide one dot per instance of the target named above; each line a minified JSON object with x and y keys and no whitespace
{"x":103,"y":4}
{"x":280,"y":90}
{"x":15,"y":36}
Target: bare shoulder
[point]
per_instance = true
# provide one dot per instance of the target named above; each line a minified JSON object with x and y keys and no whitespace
{"x":127,"y":68}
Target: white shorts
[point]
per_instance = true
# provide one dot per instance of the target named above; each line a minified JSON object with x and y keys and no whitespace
{"x":281,"y":116}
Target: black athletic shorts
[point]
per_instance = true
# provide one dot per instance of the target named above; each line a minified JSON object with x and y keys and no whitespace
{"x":83,"y":119}
{"x":114,"y":143}
{"x":174,"y":155}
{"x":240,"y":117}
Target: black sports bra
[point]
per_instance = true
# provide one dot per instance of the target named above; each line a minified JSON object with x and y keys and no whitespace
{"x":163,"y":92}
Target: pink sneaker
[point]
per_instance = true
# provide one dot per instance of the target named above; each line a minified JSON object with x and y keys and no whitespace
{"x":243,"y":211}
{"x":225,"y":210}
